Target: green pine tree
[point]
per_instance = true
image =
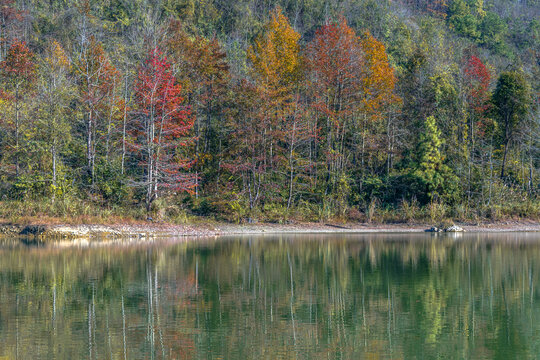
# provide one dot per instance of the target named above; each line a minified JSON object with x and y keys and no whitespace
{"x":439,"y":179}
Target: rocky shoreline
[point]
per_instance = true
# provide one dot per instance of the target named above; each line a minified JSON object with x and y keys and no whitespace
{"x":44,"y":232}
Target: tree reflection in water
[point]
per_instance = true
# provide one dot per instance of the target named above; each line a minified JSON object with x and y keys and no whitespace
{"x":286,"y":296}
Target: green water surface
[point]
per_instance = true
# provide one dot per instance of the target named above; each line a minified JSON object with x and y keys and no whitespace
{"x":384,"y":296}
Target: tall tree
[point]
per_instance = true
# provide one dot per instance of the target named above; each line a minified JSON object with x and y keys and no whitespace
{"x":161,"y":125}
{"x":246,"y":155}
{"x":379,"y":101}
{"x":97,"y":80}
{"x":336,"y":63}
{"x":476,"y":82}
{"x":337,"y":73}
{"x":299,"y":133}
{"x":430,"y":167}
{"x":276,"y":61}
{"x":418,"y":99}
{"x":55,"y":93}
{"x":203,"y":72}
{"x":511,"y":100}
{"x":19,"y":74}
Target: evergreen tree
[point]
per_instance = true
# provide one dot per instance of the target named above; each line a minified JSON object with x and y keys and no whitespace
{"x":439,"y":179}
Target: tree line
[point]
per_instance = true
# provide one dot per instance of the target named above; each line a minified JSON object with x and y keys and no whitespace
{"x":156,"y":106}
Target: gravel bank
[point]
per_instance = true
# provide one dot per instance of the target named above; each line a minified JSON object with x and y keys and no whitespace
{"x":154,"y":231}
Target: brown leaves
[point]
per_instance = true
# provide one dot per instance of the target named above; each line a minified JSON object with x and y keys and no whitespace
{"x":19,"y":66}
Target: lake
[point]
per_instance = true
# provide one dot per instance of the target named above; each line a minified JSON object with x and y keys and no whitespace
{"x":321,"y":296}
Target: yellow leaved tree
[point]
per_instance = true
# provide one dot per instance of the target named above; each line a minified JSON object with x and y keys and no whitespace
{"x":276,"y":54}
{"x":277,"y":70}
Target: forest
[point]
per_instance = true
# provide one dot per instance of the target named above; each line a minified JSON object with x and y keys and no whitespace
{"x":274,"y":111}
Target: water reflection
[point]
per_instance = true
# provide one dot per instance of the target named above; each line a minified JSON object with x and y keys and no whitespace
{"x":306,"y":296}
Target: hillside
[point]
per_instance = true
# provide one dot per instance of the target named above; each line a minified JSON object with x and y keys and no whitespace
{"x":247,"y":110}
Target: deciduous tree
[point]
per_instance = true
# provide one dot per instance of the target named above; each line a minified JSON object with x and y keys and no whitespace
{"x":55,"y":93}
{"x":379,"y":101}
{"x":276,"y":62}
{"x":19,"y":74}
{"x":203,"y":72}
{"x":161,"y":126}
{"x":97,"y":80}
{"x":336,"y":63}
{"x":511,"y":100}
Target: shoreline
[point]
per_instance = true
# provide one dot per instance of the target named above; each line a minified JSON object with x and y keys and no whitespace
{"x":44,"y":232}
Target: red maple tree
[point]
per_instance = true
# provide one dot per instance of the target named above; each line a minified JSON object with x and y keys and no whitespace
{"x":477,"y":80}
{"x":160,"y":129}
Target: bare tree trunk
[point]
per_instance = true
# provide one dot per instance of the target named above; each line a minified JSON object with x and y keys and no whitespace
{"x":150,"y":166}
{"x":109,"y":122}
{"x":124,"y":130}
{"x":504,"y":159}
{"x":17,"y":129}
{"x":89,"y":145}
{"x":506,"y":142}
{"x":291,"y":165}
{"x":53,"y":151}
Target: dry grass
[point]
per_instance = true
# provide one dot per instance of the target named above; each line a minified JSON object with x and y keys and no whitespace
{"x":86,"y":212}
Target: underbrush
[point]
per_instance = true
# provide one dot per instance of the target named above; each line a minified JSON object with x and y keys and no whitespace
{"x":175,"y":211}
{"x":73,"y":211}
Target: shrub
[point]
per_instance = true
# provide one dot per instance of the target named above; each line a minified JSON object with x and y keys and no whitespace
{"x":275,"y":213}
{"x":410,"y":209}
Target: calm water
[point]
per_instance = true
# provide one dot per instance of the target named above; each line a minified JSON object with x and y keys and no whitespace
{"x":387,"y":296}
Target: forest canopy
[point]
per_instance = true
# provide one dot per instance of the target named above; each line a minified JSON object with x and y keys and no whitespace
{"x":246,"y":110}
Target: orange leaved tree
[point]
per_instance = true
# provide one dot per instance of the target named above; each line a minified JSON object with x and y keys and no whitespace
{"x":278,"y":71}
{"x":336,"y":72}
{"x":379,"y":101}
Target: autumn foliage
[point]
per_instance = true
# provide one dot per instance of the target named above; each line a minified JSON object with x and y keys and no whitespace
{"x":353,"y":84}
{"x":160,"y":128}
{"x":478,"y":80}
{"x":18,"y":70}
{"x":19,"y":63}
{"x":263,"y":111}
{"x":276,"y":54}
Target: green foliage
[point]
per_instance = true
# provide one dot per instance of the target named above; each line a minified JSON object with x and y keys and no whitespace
{"x":438,"y":178}
{"x":492,"y":32}
{"x":110,"y":183}
{"x":462,"y":20}
{"x":238,"y":210}
{"x":298,"y":116}
{"x":29,"y":186}
{"x":203,"y":207}
{"x":118,"y":13}
{"x":468,"y":18}
{"x":275,"y":213}
{"x":511,"y":99}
